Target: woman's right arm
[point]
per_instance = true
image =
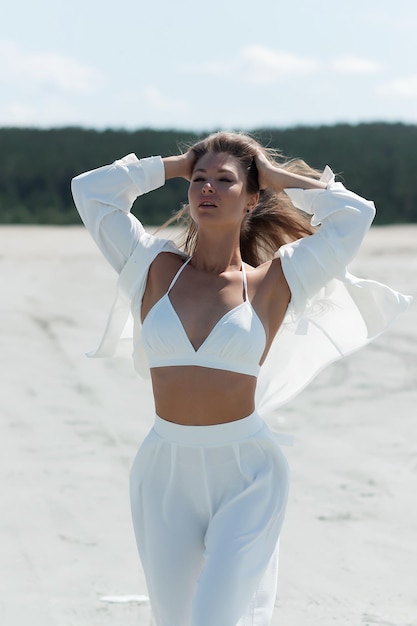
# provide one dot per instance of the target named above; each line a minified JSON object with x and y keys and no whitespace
{"x":179,"y":166}
{"x":104,"y":197}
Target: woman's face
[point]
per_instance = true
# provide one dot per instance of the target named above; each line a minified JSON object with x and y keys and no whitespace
{"x":217,"y":190}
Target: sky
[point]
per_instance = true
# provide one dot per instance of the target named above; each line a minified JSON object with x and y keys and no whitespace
{"x":207,"y":64}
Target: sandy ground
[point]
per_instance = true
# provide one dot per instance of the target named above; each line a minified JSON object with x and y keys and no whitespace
{"x":70,"y":427}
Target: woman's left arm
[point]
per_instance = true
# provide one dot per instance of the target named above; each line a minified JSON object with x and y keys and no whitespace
{"x":278,"y":178}
{"x":343,"y":218}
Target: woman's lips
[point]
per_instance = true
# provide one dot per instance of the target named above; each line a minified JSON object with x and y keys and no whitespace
{"x":207,"y":203}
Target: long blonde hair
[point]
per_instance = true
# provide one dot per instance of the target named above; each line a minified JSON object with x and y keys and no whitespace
{"x":274,"y":221}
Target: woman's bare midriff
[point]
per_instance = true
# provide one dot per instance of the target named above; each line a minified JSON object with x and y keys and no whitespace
{"x":201,"y":396}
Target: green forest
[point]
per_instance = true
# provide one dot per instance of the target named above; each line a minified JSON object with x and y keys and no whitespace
{"x":376,"y":160}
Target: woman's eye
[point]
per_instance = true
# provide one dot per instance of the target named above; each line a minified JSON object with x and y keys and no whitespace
{"x":197,"y":179}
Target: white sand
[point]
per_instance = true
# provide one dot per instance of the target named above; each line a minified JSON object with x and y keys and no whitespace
{"x":70,"y":427}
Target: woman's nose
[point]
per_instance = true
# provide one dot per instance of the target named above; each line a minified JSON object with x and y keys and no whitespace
{"x":207,"y":186}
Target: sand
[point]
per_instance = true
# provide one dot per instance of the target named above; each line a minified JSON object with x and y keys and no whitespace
{"x":70,"y":427}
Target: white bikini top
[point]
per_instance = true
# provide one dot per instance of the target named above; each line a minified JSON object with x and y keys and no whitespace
{"x":236,"y":343}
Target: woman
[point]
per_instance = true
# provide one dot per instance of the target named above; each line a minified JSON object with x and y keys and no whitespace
{"x":255,"y":285}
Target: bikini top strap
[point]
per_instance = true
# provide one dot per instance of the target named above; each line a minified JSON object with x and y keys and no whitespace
{"x":174,"y":280}
{"x":245,"y":283}
{"x":244,"y":279}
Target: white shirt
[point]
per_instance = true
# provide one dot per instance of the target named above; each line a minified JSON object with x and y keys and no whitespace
{"x":331,"y":313}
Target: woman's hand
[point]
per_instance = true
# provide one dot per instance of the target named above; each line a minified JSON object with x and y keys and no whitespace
{"x":268,"y":173}
{"x":278,"y":178}
{"x":179,"y":166}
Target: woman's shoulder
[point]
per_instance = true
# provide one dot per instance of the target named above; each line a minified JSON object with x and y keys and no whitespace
{"x":270,"y":270}
{"x":165,"y":265}
{"x":169,"y":258}
{"x":267,"y":283}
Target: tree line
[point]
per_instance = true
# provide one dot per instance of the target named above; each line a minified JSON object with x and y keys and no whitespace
{"x":376,"y":160}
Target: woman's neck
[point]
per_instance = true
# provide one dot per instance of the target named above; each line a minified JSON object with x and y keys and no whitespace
{"x":217,"y":253}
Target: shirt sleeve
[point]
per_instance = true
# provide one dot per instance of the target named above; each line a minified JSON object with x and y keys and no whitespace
{"x":343,"y":218}
{"x":104,"y":198}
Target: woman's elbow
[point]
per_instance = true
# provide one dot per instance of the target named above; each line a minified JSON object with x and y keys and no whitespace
{"x":75,"y":188}
{"x":368,"y":212}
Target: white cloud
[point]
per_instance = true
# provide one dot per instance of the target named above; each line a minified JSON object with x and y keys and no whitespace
{"x":355,"y":65}
{"x":209,"y":68}
{"x":216,"y":68}
{"x":46,"y":69}
{"x":43,"y":112}
{"x":64,"y":73}
{"x":265,"y":65}
{"x":256,"y":64}
{"x":17,"y":114}
{"x":401,"y":87}
{"x":162,"y":102}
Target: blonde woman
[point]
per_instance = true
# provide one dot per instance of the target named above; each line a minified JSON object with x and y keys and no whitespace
{"x":230,"y":326}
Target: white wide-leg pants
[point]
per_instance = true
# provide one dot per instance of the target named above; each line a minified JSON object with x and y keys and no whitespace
{"x":208,"y":504}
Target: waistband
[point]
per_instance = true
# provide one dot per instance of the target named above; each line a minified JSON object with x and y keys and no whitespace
{"x":216,"y":434}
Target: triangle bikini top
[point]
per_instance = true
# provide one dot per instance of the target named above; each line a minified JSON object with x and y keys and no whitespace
{"x":236,"y":343}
